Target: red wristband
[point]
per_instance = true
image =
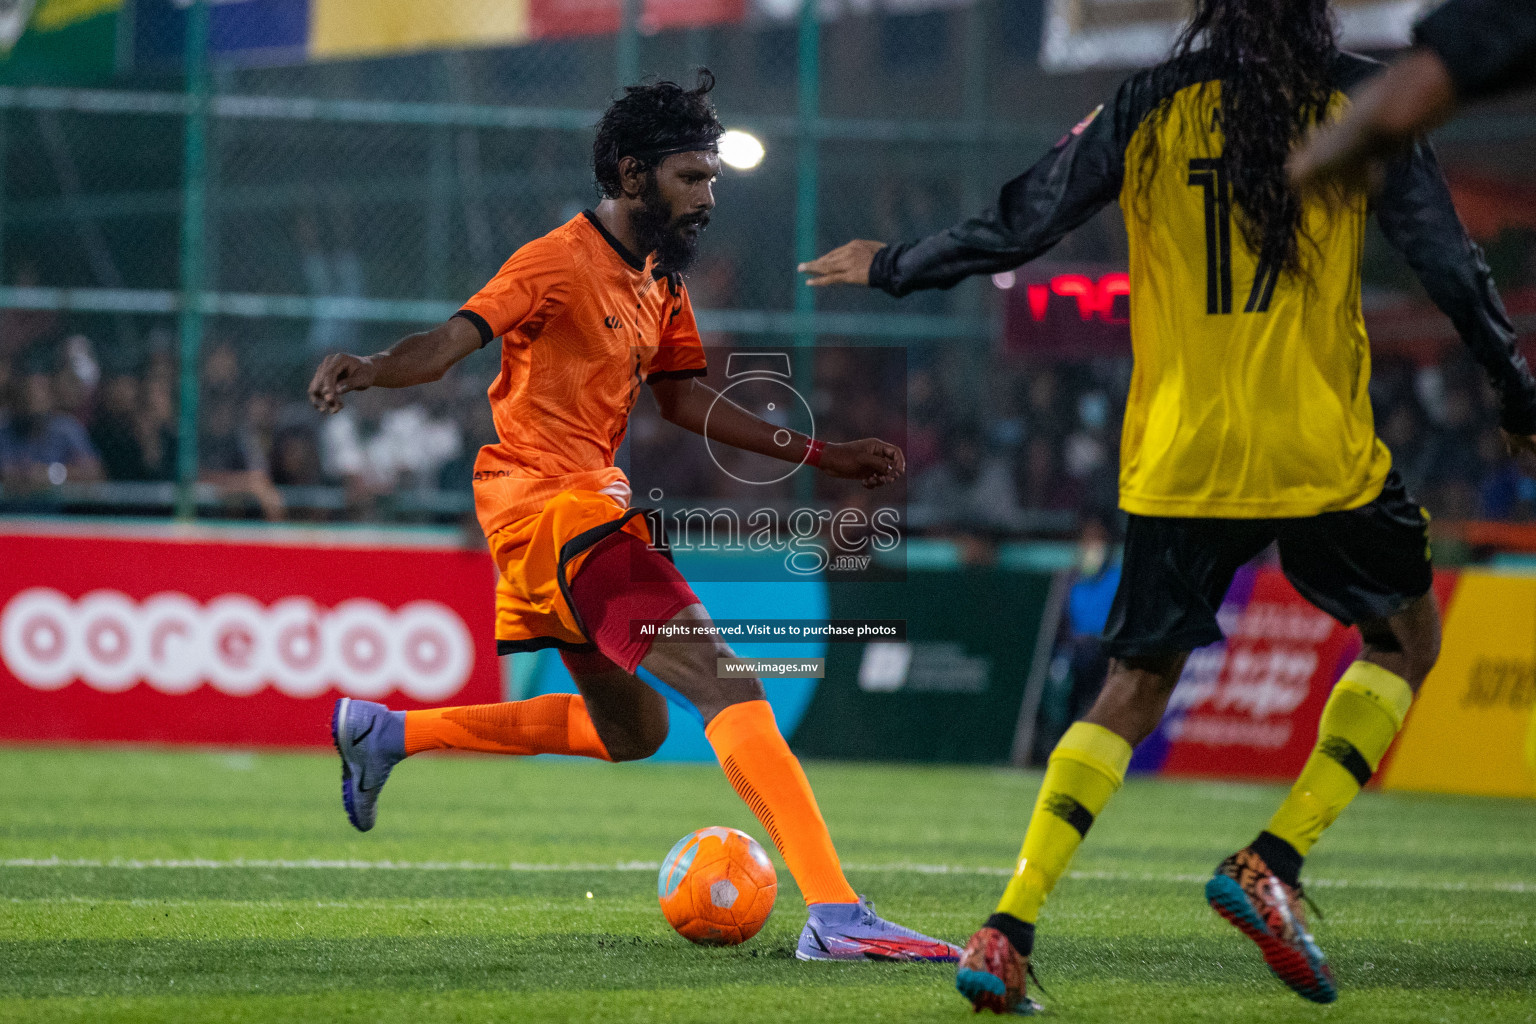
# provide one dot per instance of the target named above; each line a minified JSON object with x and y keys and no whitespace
{"x":813,"y":453}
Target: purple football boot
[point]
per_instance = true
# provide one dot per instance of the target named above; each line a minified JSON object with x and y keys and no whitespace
{"x":852,"y":931}
{"x":371,"y":740}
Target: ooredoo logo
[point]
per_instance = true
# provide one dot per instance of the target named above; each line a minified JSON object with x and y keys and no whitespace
{"x":234,"y":644}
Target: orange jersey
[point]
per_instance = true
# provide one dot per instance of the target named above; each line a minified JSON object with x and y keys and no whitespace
{"x":583,"y":324}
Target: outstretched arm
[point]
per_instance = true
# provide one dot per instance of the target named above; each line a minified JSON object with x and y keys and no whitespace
{"x":1389,"y":111}
{"x":414,"y":359}
{"x":1465,"y":50}
{"x":689,"y":403}
{"x":1419,"y":219}
{"x":1068,"y":185}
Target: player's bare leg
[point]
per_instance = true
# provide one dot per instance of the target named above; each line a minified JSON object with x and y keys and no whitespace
{"x":1406,"y":644}
{"x":1084,"y":771}
{"x":1258,"y":888}
{"x":741,"y":728}
{"x":630,"y":716}
{"x":1135,"y":695}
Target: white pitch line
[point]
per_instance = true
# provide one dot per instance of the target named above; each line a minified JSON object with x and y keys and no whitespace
{"x":119,"y":863}
{"x":899,"y":867}
{"x":1172,"y":878}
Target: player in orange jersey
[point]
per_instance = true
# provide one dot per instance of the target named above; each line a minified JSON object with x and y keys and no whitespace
{"x":586,"y":315}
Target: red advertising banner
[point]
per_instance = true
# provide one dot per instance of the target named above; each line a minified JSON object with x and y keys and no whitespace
{"x":1248,"y":707}
{"x":151,"y":635}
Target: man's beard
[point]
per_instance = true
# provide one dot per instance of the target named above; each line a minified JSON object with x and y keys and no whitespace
{"x":658,"y":231}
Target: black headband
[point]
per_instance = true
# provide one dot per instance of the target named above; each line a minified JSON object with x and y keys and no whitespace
{"x":655,"y":156}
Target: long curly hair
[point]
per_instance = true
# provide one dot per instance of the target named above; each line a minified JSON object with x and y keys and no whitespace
{"x":650,"y":122}
{"x":1273,"y":59}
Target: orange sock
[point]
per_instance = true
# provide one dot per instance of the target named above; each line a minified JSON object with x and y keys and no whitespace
{"x":556,"y":723}
{"x":766,"y":775}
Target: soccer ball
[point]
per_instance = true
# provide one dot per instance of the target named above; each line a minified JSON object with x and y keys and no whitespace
{"x":717,"y":887}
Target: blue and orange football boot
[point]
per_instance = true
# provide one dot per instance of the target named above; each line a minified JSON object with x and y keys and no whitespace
{"x":853,"y":931}
{"x":371,"y":740}
{"x":992,"y":975}
{"x":1267,"y":910}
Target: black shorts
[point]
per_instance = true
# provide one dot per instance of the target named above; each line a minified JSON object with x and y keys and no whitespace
{"x":1360,"y":565}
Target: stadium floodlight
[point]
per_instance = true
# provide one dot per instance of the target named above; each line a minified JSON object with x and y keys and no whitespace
{"x":740,"y":150}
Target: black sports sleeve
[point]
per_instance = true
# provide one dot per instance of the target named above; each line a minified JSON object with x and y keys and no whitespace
{"x":1416,"y":213}
{"x":1488,"y":46}
{"x":1068,"y":185}
{"x":480,"y":324}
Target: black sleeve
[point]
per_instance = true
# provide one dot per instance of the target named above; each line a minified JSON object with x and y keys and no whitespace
{"x":1488,"y":46}
{"x":1070,"y":184}
{"x":486,"y":334}
{"x":659,"y":375}
{"x":1416,"y":213}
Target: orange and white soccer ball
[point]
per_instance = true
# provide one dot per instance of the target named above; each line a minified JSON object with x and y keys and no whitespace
{"x":717,"y":887}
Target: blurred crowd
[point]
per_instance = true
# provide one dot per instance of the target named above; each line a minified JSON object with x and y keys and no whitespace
{"x":1000,"y":451}
{"x":995,"y":446}
{"x":70,"y":416}
{"x":1004,"y":448}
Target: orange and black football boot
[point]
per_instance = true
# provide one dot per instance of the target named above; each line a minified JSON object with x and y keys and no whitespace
{"x":1263,"y":907}
{"x":993,"y":972}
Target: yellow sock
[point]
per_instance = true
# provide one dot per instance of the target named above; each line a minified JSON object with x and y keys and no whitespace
{"x":1084,"y":771}
{"x":1361,"y":717}
{"x":1530,"y":743}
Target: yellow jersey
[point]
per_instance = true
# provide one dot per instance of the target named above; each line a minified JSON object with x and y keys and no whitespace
{"x":1249,"y":394}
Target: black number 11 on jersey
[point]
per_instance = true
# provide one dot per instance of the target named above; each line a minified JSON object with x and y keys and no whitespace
{"x":1210,"y":176}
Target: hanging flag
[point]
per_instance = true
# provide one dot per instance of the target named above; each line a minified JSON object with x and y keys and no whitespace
{"x":552,"y":19}
{"x":239,"y":31}
{"x":58,"y":42}
{"x":358,"y":28}
{"x":256,"y":32}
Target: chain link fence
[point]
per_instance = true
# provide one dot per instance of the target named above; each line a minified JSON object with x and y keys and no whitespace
{"x":173,"y":238}
{"x":178,"y":250}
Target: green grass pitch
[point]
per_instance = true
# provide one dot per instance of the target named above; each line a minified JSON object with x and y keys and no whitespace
{"x":205,"y":886}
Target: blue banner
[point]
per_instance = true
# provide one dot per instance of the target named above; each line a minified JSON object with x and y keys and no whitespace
{"x":249,"y":32}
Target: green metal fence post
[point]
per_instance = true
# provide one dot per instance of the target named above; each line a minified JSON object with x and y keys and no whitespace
{"x":5,"y":127}
{"x":973,"y":92}
{"x":439,"y":193}
{"x":973,"y":294}
{"x":627,"y":61}
{"x":807,"y":166}
{"x":695,"y":51}
{"x":807,"y":191}
{"x":193,"y":269}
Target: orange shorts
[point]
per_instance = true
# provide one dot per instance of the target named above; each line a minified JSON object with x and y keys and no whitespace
{"x":539,"y":555}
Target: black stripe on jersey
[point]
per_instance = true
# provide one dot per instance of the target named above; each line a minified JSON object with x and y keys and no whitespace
{"x":1224,"y":205}
{"x":1210,"y":175}
{"x":1263,"y":288}
{"x":1202,"y":178}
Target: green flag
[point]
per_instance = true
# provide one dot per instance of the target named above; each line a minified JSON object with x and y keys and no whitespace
{"x":58,"y":42}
